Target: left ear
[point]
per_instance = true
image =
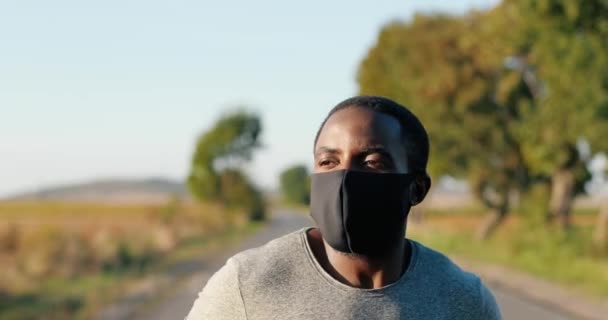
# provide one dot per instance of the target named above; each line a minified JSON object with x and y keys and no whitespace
{"x":419,"y":188}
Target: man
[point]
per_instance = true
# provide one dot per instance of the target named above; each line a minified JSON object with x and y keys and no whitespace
{"x":370,"y":168}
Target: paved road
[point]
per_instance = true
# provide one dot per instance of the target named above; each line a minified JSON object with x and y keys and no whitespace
{"x":176,"y":304}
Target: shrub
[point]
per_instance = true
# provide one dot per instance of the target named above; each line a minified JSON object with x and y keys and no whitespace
{"x":40,"y":251}
{"x":9,"y":238}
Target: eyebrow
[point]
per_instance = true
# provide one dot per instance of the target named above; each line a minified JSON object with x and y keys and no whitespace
{"x":367,"y":150}
{"x":329,"y":150}
{"x":375,"y":149}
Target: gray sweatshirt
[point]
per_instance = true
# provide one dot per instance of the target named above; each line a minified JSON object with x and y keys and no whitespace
{"x":283,"y":280}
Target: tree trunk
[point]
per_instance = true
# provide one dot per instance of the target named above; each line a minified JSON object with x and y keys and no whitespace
{"x":490,"y":224}
{"x":495,"y":218}
{"x":562,"y":196}
{"x":600,"y":235}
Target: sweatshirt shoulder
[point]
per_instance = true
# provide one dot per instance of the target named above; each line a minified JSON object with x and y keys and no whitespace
{"x":274,"y":249}
{"x":443,"y":268}
{"x":473,"y":298}
{"x":444,"y":277}
{"x":275,"y":258}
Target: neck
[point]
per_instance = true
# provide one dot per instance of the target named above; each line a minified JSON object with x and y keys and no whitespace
{"x":360,"y":271}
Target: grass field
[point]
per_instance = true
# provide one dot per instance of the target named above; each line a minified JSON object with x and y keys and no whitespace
{"x":66,"y":260}
{"x":547,"y":252}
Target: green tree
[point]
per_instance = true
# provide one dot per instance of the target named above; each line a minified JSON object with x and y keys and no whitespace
{"x":573,"y":39}
{"x":295,"y":185}
{"x":237,"y":191}
{"x":444,"y":70}
{"x":500,"y":93}
{"x":567,"y":52}
{"x":216,"y":170}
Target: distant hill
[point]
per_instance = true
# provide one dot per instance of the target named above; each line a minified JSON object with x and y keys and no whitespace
{"x":110,"y":190}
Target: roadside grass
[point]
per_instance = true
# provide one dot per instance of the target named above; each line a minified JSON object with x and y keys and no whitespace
{"x":75,"y":283}
{"x":567,"y":258}
{"x":295,"y":208}
{"x":277,"y":203}
{"x":199,"y":245}
{"x":82,"y":297}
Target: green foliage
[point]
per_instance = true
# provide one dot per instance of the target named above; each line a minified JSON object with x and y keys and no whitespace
{"x":573,"y":15}
{"x":295,"y":185}
{"x":570,"y":57}
{"x":506,"y":95}
{"x":534,"y":206}
{"x":236,"y":191}
{"x":450,"y":72}
{"x":234,"y":136}
{"x":219,"y":153}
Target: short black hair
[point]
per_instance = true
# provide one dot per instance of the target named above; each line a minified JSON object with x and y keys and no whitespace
{"x":413,"y":134}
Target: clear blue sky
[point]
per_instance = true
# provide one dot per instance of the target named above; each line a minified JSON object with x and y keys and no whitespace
{"x":94,"y":89}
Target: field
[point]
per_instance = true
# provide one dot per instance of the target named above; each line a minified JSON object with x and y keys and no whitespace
{"x":66,"y":260}
{"x":568,"y":258}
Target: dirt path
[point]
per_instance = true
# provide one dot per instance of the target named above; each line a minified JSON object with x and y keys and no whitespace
{"x":176,"y":303}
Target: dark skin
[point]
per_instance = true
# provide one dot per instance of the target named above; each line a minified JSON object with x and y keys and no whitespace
{"x":359,"y":139}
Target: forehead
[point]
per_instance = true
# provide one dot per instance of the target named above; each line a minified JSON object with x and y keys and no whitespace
{"x":359,"y":126}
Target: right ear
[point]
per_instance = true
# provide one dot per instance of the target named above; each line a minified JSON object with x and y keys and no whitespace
{"x":419,"y":188}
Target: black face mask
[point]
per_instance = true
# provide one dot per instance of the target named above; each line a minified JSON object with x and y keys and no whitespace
{"x":361,"y":213}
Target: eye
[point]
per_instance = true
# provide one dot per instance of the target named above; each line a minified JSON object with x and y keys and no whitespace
{"x":326,"y":163}
{"x":378,"y":162}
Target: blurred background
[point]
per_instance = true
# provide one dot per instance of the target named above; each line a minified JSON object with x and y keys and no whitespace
{"x":143,"y":142}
